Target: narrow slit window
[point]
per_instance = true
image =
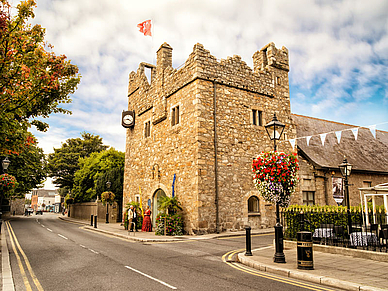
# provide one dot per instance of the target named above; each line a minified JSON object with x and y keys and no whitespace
{"x":175,"y":116}
{"x":147,"y":129}
{"x":257,"y":117}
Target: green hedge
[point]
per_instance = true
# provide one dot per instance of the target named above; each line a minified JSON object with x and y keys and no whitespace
{"x":316,"y":216}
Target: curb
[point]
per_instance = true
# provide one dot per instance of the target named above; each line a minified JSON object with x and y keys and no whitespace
{"x":177,"y":238}
{"x":322,"y":280}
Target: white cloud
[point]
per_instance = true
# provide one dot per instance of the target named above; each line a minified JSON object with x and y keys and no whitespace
{"x":338,"y":51}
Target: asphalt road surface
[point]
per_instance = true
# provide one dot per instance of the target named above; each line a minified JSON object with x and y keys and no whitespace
{"x":50,"y":254}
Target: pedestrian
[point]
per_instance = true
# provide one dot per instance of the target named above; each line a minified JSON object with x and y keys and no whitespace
{"x":132,"y":216}
{"x":147,"y":225}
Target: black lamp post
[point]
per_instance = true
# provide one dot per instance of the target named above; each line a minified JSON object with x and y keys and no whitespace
{"x":107,"y":204}
{"x":346,"y":168}
{"x":5,"y":163}
{"x":275,"y":130}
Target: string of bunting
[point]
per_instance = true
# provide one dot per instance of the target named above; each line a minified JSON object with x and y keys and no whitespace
{"x":338,"y":134}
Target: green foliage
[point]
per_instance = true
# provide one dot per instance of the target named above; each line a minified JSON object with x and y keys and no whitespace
{"x":34,"y":81}
{"x":126,"y":222}
{"x":94,"y":167}
{"x":317,"y":215}
{"x":174,"y":224}
{"x":29,"y":168}
{"x":68,"y":200}
{"x":64,"y":162}
{"x":116,"y":177}
{"x":169,"y":205}
{"x":107,"y":197}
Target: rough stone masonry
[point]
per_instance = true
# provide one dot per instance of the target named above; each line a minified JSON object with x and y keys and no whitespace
{"x":204,"y":123}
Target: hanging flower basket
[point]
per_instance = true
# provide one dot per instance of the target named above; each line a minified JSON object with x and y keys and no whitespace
{"x":7,"y":182}
{"x":275,"y":176}
{"x":107,"y":197}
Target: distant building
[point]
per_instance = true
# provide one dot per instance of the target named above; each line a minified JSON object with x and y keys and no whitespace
{"x":42,"y":198}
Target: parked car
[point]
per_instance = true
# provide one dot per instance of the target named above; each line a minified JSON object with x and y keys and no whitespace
{"x":39,"y":211}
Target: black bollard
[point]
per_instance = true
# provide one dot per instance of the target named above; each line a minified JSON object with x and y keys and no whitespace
{"x":91,"y":220}
{"x":95,"y":221}
{"x":248,"y":251}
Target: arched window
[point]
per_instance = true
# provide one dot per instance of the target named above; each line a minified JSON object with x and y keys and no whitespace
{"x":253,"y":204}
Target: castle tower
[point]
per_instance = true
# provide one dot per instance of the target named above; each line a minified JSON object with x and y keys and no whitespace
{"x":203,"y":124}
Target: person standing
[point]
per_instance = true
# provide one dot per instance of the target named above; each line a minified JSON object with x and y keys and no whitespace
{"x":132,"y":215}
{"x":147,"y":225}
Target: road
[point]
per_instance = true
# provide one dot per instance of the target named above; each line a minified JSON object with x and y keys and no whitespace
{"x":50,"y":254}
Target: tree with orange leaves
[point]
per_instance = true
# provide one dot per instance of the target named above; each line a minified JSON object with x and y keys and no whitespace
{"x":34,"y":82}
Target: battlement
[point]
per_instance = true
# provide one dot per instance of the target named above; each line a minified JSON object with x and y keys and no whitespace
{"x":270,"y":56}
{"x":268,"y":77}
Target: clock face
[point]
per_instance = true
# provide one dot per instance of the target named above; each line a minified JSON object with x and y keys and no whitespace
{"x":128,"y":119}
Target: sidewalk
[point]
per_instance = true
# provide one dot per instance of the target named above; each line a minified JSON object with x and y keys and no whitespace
{"x":349,"y":272}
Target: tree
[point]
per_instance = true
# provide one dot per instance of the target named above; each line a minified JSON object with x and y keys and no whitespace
{"x":169,"y":205}
{"x":34,"y":81}
{"x":63,"y":163}
{"x":28,"y":167}
{"x":93,"y":170}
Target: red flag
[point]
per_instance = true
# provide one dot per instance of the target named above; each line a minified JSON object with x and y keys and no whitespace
{"x":145,"y":27}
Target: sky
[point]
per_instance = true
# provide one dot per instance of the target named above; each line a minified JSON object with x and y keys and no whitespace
{"x":338,"y":53}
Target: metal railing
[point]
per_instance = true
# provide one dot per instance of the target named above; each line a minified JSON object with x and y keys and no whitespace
{"x":331,"y":228}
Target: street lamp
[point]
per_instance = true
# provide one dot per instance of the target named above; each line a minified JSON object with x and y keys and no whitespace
{"x":275,"y":130}
{"x":5,"y":163}
{"x":107,"y":204}
{"x":346,"y":168}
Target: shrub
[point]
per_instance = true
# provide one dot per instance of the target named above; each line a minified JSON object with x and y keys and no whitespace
{"x":174,"y":224}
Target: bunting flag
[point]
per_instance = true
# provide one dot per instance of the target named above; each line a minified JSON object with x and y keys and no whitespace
{"x":308,"y":139}
{"x":141,"y":204}
{"x":338,"y":135}
{"x":173,"y":186}
{"x":373,"y":130}
{"x":323,"y":137}
{"x":145,"y":27}
{"x":355,"y":132}
{"x":292,"y":142}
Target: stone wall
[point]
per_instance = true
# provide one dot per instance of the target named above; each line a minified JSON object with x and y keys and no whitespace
{"x":188,"y":148}
{"x":84,"y":211}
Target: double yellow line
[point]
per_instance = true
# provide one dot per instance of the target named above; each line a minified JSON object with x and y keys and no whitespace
{"x":15,"y":243}
{"x":228,"y":259}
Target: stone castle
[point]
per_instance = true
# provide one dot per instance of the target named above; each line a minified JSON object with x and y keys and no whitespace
{"x":199,"y":127}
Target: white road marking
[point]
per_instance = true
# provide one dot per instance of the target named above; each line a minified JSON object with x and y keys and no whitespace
{"x":152,"y":278}
{"x":82,"y":246}
{"x":42,"y":225}
{"x":62,"y":236}
{"x":49,"y":229}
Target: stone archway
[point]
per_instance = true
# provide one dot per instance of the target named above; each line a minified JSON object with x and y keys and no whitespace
{"x":155,"y":205}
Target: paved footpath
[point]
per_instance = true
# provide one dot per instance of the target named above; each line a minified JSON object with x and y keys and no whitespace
{"x":349,"y":269}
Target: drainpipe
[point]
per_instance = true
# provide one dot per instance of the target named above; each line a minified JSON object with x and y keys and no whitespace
{"x":215,"y":155}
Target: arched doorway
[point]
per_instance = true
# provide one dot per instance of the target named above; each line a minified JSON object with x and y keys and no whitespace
{"x":155,"y":205}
